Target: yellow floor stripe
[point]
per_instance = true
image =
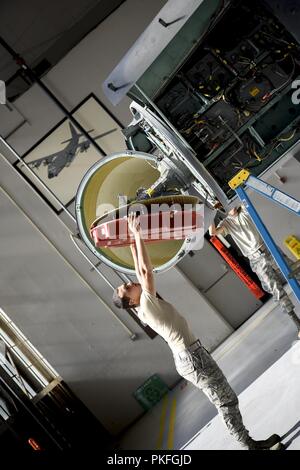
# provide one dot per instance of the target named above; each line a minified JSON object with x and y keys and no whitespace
{"x":170,"y":443}
{"x":162,"y":422}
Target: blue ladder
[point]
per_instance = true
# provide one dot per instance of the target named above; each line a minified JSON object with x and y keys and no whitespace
{"x":279,"y":197}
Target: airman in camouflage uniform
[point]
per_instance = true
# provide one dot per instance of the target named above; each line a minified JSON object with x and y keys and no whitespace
{"x":239,"y":225}
{"x":192,"y":361}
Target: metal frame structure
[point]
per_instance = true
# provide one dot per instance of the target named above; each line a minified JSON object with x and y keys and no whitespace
{"x":279,"y":197}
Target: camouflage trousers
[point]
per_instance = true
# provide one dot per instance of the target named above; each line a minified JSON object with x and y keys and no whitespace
{"x":196,"y":365}
{"x":272,"y":280}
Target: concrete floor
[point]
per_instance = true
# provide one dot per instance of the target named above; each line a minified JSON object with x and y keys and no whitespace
{"x":261,"y":361}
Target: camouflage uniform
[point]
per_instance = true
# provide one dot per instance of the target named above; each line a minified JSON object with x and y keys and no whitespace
{"x":245,"y":234}
{"x":272,"y":280}
{"x":196,"y":365}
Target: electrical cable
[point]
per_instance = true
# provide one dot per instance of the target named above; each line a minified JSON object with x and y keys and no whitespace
{"x":282,"y":139}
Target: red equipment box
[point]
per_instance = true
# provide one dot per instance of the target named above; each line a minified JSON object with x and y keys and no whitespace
{"x":155,"y":227}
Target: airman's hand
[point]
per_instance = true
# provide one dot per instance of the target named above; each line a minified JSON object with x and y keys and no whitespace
{"x":134,"y":223}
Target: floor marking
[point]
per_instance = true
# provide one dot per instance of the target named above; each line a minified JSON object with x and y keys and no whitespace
{"x":162,"y":423}
{"x":170,"y":442}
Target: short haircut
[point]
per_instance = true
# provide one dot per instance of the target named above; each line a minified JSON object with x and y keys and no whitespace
{"x":121,"y":302}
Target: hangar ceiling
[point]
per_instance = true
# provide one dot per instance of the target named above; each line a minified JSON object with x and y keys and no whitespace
{"x":43,"y":32}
